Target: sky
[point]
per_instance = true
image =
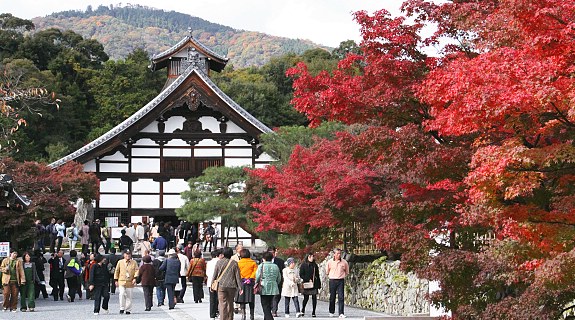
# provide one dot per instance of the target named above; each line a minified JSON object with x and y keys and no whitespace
{"x":325,"y":22}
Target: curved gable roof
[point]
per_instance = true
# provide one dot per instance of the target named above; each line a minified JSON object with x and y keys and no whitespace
{"x":107,"y":137}
{"x":158,"y":60}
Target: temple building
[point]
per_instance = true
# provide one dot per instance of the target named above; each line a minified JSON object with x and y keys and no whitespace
{"x":143,"y":163}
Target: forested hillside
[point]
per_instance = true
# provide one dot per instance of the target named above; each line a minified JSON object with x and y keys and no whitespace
{"x":123,"y":29}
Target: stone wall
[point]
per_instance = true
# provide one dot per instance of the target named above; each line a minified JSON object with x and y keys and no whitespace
{"x":382,"y":287}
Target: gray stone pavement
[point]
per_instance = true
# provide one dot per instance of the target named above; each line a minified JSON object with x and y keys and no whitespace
{"x":83,"y":309}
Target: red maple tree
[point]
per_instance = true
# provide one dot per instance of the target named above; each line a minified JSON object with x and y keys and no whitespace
{"x":52,"y":192}
{"x":477,"y":141}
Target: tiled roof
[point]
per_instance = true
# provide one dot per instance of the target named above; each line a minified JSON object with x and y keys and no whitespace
{"x":182,"y":42}
{"x":151,"y":105}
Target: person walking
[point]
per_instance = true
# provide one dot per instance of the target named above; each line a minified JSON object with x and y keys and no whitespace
{"x":52,"y":234}
{"x":60,"y":227}
{"x":309,"y":273}
{"x":268,"y":277}
{"x":227,"y":274}
{"x":184,"y":265}
{"x":125,"y":278}
{"x":160,"y":277}
{"x":95,"y":235}
{"x":290,"y":287}
{"x":337,"y":269}
{"x":197,"y":275}
{"x":85,"y":277}
{"x":72,"y":275}
{"x":281,"y":265}
{"x":210,"y":268}
{"x":57,"y":269}
{"x":147,"y":277}
{"x":99,"y":283}
{"x":75,"y":236}
{"x":125,"y":242}
{"x":248,"y":268}
{"x":84,"y":234}
{"x":12,"y":278}
{"x":27,"y":291}
{"x":106,"y":237}
{"x":112,"y":261}
{"x":40,"y":286}
{"x":171,"y":267}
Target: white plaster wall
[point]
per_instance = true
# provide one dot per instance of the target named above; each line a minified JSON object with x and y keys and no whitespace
{"x":145,"y":201}
{"x":177,"y":152}
{"x":207,"y":152}
{"x":208,"y":143}
{"x":145,"y":142}
{"x":265,"y":157}
{"x":146,"y":165}
{"x":176,"y":185}
{"x":260,"y":165}
{"x":149,"y":152}
{"x":176,"y":143}
{"x":113,"y":201}
{"x":173,"y":201}
{"x":113,"y":185}
{"x":90,"y":166}
{"x":118,"y":156}
{"x":152,"y":127}
{"x":237,"y":162}
{"x":174,"y":123}
{"x":239,"y":142}
{"x":239,"y":152}
{"x":211,"y":124}
{"x":234,"y":128}
{"x":145,"y":185}
{"x":114,"y":167}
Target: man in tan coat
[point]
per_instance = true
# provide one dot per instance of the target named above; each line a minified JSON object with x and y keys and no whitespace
{"x":125,"y":277}
{"x":12,"y":278}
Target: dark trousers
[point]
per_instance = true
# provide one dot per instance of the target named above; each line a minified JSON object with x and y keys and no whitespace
{"x":96,"y":245}
{"x":336,"y":287}
{"x":73,"y":285}
{"x":198,"y":288}
{"x":183,"y":291}
{"x":58,"y":243}
{"x":148,"y":293}
{"x":295,"y":303}
{"x":58,"y":287}
{"x":52,"y":239}
{"x":41,"y":288}
{"x":275,"y":302}
{"x":99,"y":293}
{"x":313,"y":302}
{"x":85,"y":249}
{"x":107,"y":245}
{"x":171,"y":287}
{"x":267,"y":302}
{"x":10,"y":296}
{"x":112,"y":284}
{"x":213,"y":303}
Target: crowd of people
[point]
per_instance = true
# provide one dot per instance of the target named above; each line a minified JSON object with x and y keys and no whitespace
{"x":234,"y":278}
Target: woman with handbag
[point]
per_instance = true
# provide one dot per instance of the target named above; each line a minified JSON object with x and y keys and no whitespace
{"x":197,"y":275}
{"x":227,"y":281}
{"x":248,"y":268}
{"x":27,"y":290}
{"x":268,"y":278}
{"x":290,"y":290}
{"x":309,"y":273}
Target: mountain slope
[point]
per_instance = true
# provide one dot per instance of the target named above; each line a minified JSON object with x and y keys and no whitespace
{"x":123,"y":29}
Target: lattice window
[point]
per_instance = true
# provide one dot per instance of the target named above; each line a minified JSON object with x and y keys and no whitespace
{"x":192,"y":166}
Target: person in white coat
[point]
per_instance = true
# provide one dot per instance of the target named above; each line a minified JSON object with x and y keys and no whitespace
{"x":289,"y":287}
{"x":184,"y":264}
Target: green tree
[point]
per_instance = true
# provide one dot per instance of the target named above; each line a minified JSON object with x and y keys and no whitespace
{"x":218,"y":192}
{"x":345,"y":47}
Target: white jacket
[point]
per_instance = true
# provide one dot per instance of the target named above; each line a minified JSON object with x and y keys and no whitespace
{"x":291,"y":279}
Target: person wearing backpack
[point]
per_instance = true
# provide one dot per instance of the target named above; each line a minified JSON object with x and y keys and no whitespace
{"x":106,"y":236}
{"x":160,"y":276}
{"x":84,"y":234}
{"x":72,"y":236}
{"x":72,"y":275}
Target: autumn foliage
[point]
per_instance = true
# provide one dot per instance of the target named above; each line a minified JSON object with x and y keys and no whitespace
{"x":474,"y":142}
{"x":52,"y":192}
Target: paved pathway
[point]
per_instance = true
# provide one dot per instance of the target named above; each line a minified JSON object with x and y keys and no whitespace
{"x":83,"y":309}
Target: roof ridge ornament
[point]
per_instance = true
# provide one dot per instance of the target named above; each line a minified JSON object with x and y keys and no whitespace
{"x":190,"y":32}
